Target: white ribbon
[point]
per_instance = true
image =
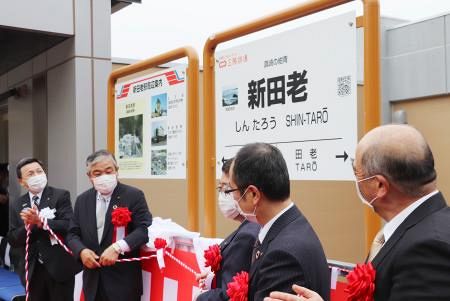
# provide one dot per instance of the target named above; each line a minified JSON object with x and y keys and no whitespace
{"x":120,"y":233}
{"x":48,"y":213}
{"x":160,"y":258}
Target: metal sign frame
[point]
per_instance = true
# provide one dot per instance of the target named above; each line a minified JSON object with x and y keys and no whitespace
{"x":370,"y":22}
{"x":192,"y":151}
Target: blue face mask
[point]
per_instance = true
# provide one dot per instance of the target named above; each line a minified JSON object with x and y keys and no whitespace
{"x":361,"y":197}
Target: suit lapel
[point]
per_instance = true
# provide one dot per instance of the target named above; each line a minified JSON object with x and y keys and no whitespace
{"x":286,"y":218}
{"x":46,"y":197}
{"x":433,"y":204}
{"x":113,"y":203}
{"x":91,"y":208}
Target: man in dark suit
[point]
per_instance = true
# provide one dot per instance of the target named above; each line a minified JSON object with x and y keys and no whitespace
{"x":236,"y":249}
{"x":51,"y":268}
{"x":91,"y":233}
{"x":287,"y":249}
{"x":394,"y":169}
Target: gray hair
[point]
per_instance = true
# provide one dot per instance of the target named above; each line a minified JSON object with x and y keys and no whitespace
{"x":409,"y":171}
{"x":99,"y":156}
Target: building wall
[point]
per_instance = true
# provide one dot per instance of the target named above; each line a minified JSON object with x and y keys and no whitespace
{"x":418,"y":82}
{"x":62,"y":119}
{"x":431,"y":116}
{"x":34,"y":15}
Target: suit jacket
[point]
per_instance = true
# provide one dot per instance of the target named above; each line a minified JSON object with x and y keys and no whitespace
{"x":414,"y":264}
{"x":236,"y":251}
{"x":122,"y":281}
{"x":290,"y":253}
{"x":60,"y":265}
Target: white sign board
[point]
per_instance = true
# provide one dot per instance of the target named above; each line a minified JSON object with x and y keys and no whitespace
{"x":297,"y":91}
{"x":150,"y":125}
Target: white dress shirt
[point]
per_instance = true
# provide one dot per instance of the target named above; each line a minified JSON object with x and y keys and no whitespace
{"x":107,"y":199}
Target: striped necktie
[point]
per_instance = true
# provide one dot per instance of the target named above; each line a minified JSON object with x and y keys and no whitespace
{"x":35,"y":202}
{"x":377,"y":244}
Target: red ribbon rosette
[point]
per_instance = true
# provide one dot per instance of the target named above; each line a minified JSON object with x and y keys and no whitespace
{"x":361,"y":283}
{"x":213,"y":258}
{"x":121,"y":216}
{"x":160,"y":243}
{"x":238,"y":288}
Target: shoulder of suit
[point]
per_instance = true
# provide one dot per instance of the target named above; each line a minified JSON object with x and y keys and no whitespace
{"x":435,"y":226}
{"x":252,"y":228}
{"x":86,"y":193}
{"x":57,"y":190}
{"x":128,"y":188}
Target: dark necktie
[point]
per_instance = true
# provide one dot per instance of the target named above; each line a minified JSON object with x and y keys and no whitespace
{"x":35,"y":201}
{"x":256,"y":252}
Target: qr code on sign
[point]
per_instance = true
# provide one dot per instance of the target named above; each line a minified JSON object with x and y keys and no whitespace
{"x":344,"y":85}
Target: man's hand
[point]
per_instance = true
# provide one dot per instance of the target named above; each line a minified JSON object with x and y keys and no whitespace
{"x":302,"y":295}
{"x":30,"y":216}
{"x":109,"y":256}
{"x":89,"y":258}
{"x":201,"y":278}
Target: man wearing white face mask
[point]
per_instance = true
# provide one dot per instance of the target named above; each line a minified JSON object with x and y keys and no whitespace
{"x":236,"y":249}
{"x":51,"y":269}
{"x":95,"y":241}
{"x":395,"y":175}
{"x":288,"y":250}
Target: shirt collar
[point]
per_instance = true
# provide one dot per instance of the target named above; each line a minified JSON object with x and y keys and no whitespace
{"x":394,"y":223}
{"x":106,"y":197}
{"x":39,"y":195}
{"x":265,"y":229}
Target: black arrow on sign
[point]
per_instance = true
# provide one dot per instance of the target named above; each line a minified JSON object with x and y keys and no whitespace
{"x":345,"y":156}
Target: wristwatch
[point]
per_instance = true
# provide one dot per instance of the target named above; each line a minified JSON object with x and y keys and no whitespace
{"x":117,"y":248}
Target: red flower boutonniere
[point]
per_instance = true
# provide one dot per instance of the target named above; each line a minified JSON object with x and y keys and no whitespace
{"x":121,"y":216}
{"x":361,"y":283}
{"x":213,"y":258}
{"x":238,"y":288}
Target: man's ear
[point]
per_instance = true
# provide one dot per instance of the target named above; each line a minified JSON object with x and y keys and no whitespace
{"x":22,"y":182}
{"x":383,"y":186}
{"x":255,"y":193}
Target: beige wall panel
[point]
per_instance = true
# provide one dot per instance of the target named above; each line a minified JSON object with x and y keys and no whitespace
{"x":431,"y":117}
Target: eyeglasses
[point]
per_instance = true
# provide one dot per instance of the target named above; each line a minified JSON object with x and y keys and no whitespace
{"x":222,"y":186}
{"x":229,"y":190}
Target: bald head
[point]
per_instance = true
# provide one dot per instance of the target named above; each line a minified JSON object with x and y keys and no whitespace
{"x":400,"y":153}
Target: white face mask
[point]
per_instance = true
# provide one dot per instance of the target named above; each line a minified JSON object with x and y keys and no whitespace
{"x":37,"y":183}
{"x":251,"y":217}
{"x":361,"y":197}
{"x":105,"y":184}
{"x":228,"y":206}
